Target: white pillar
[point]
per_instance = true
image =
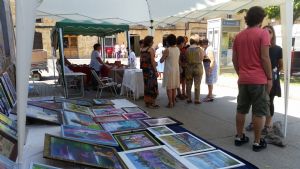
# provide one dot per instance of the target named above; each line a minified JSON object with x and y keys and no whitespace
{"x":25,"y":24}
{"x":286,"y":12}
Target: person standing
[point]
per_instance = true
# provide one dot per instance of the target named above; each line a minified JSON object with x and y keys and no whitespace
{"x":148,"y":65}
{"x":158,"y":55}
{"x":181,"y":44}
{"x":96,"y":62}
{"x":253,"y":67}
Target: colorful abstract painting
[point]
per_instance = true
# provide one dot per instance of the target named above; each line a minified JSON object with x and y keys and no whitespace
{"x":77,"y":108}
{"x":41,"y":166}
{"x":136,"y":116}
{"x":124,"y":125}
{"x":160,"y":121}
{"x":79,"y":119}
{"x":10,"y":85}
{"x":133,"y":110}
{"x":102,"y":119}
{"x":109,"y":111}
{"x":8,"y":122}
{"x":160,"y":130}
{"x":7,"y":93}
{"x":102,"y":102}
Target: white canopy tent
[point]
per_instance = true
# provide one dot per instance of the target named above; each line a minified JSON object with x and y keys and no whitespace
{"x":132,"y":12}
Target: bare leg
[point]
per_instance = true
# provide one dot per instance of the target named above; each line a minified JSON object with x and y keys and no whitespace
{"x":169,"y":93}
{"x":240,"y":121}
{"x":268,"y":121}
{"x":183,"y":88}
{"x":173,"y":96}
{"x":210,"y":89}
{"x":258,"y":123}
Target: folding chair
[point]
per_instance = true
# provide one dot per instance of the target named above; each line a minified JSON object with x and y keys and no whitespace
{"x":103,"y":83}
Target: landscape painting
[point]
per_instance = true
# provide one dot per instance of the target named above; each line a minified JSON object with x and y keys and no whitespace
{"x":160,"y":130}
{"x":109,"y":111}
{"x":43,"y":114}
{"x":79,"y":119}
{"x":133,"y":110}
{"x":102,"y":102}
{"x":136,"y":116}
{"x":101,"y":119}
{"x":77,"y":108}
{"x":124,"y":125}
{"x":160,"y":121}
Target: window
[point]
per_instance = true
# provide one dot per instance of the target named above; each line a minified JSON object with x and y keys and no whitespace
{"x":38,"y":40}
{"x":70,"y":42}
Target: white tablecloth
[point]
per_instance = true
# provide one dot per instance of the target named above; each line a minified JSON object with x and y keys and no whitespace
{"x":133,"y":80}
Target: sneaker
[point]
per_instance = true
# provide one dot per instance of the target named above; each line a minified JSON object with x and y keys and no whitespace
{"x":249,"y":127}
{"x":240,"y":141}
{"x":259,"y":146}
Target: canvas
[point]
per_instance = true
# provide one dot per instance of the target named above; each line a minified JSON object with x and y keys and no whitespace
{"x":7,"y":130}
{"x":136,"y":116}
{"x":124,"y":125}
{"x":48,"y":115}
{"x":184,"y":143}
{"x":8,"y":146}
{"x":160,"y":121}
{"x":154,"y":158}
{"x":78,"y":119}
{"x":105,"y":112}
{"x":9,"y":97}
{"x":8,"y":122}
{"x":46,"y":105}
{"x":10,"y":85}
{"x":77,"y":108}
{"x":103,"y":107}
{"x":59,"y":148}
{"x":102,"y":102}
{"x":88,"y":135}
{"x":135,"y":140}
{"x":81,"y":102}
{"x":41,"y":166}
{"x":43,"y":98}
{"x":4,"y":100}
{"x":101,"y":119}
{"x":5,"y":163}
{"x":213,"y":160}
{"x":133,"y":110}
{"x":160,"y":130}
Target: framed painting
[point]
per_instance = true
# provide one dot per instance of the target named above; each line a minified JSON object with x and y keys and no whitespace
{"x":102,"y":102}
{"x":6,"y":163}
{"x":102,"y":119}
{"x":213,"y":159}
{"x":106,"y":112}
{"x":88,"y":135}
{"x":8,"y":146}
{"x":73,"y":151}
{"x":10,"y":85}
{"x":9,"y":97}
{"x":7,"y":130}
{"x":4,"y":100}
{"x":7,"y":121}
{"x":184,"y":143}
{"x":133,"y":110}
{"x":136,"y":116}
{"x":154,"y":157}
{"x":161,"y":121}
{"x":160,"y":130}
{"x":43,"y":98}
{"x":34,"y":165}
{"x":46,"y":105}
{"x":79,"y":119}
{"x":135,"y":140}
{"x":124,"y":125}
{"x":47,"y":115}
{"x":103,"y":107}
{"x":81,"y":102}
{"x":77,"y":108}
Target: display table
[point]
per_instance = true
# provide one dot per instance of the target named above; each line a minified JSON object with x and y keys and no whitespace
{"x":73,"y":80}
{"x":133,"y":81}
{"x":117,"y":74}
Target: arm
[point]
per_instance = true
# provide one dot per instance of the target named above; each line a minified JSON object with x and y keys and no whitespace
{"x":164,"y":56}
{"x":280,"y":65}
{"x":266,"y":63}
{"x":235,"y":61}
{"x":211,"y":58}
{"x":202,"y":54}
{"x":100,"y":60}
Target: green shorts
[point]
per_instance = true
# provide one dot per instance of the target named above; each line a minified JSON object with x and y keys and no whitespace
{"x":255,"y":95}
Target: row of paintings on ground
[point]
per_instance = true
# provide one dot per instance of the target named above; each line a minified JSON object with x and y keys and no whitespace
{"x":7,"y":94}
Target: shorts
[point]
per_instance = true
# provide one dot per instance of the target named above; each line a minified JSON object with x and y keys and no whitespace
{"x":255,"y":95}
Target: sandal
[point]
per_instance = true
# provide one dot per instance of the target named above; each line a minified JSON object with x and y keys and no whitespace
{"x":197,"y":102}
{"x":153,"y":106}
{"x":189,"y":101}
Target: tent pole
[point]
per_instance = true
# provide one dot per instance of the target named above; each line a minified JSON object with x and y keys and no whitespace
{"x":102,"y":49}
{"x":53,"y":53}
{"x":128,"y":45}
{"x":62,"y":60}
{"x":286,"y":10}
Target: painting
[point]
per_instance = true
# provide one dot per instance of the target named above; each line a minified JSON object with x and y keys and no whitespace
{"x":154,"y":158}
{"x":213,"y":160}
{"x":34,"y":165}
{"x":64,"y":149}
{"x":109,"y":111}
{"x":185,"y":143}
{"x":133,"y":110}
{"x":160,"y":130}
{"x":103,"y":107}
{"x":88,"y":135}
{"x":78,"y":119}
{"x":77,"y":108}
{"x":101,"y":119}
{"x":39,"y":113}
{"x":136,"y":115}
{"x":12,"y":133}
{"x":5,"y":163}
{"x":81,"y":102}
{"x":124,"y":125}
{"x":10,"y":85}
{"x":102,"y":102}
{"x":8,"y":146}
{"x":160,"y":121}
{"x":135,"y":140}
{"x":42,"y":98}
{"x":3,"y":108}
{"x":9,"y":97}
{"x":4,"y":100}
{"x":46,"y":105}
{"x":8,"y":122}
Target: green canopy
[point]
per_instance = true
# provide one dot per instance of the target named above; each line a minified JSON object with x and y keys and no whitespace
{"x":90,"y":28}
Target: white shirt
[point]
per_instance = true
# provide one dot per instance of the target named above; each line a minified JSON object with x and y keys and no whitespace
{"x":94,"y":61}
{"x":131,"y":59}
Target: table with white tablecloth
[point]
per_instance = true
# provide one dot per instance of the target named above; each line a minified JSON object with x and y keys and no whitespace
{"x":133,"y":81}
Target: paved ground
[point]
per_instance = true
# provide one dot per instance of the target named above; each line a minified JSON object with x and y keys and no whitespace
{"x":216,"y":122}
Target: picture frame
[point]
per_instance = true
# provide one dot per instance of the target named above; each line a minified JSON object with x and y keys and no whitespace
{"x":103,"y":107}
{"x":6,"y":163}
{"x":135,"y":140}
{"x":161,"y":121}
{"x":79,"y":119}
{"x":48,"y":115}
{"x":64,"y":149}
{"x":46,"y":105}
{"x":185,"y":143}
{"x":9,"y":97}
{"x":160,"y":130}
{"x":42,"y":98}
{"x":88,"y":135}
{"x":7,"y":130}
{"x":136,"y":115}
{"x":8,"y":122}
{"x":80,"y":102}
{"x":35,"y":165}
{"x":8,"y":146}
{"x":102,"y":102}
{"x":77,"y":108}
{"x":109,"y":111}
{"x":154,"y":157}
{"x":213,"y":159}
{"x":10,"y":85}
{"x":122,"y":126}
{"x":134,"y":110}
{"x":6,"y":105}
{"x":102,"y":119}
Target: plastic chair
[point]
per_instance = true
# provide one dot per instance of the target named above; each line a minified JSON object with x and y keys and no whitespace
{"x":103,"y":83}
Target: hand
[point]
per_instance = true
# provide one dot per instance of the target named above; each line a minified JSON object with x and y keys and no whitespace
{"x":269,"y":85}
{"x":157,"y":74}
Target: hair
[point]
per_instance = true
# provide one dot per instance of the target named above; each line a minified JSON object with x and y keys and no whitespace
{"x":180,"y":40}
{"x":141,"y":41}
{"x":171,"y":40}
{"x":205,"y":42}
{"x":97,"y":45}
{"x":273,"y":40}
{"x":255,"y":16}
{"x":194,"y":39}
{"x":148,"y":41}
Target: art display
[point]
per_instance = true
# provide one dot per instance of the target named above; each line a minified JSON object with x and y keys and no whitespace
{"x":133,"y":110}
{"x":46,"y":105}
{"x":81,"y":102}
{"x":213,"y":160}
{"x":154,"y":158}
{"x":161,"y":121}
{"x":109,"y":111}
{"x":48,"y":115}
{"x":101,"y":119}
{"x":77,"y":108}
{"x":184,"y":143}
{"x":3,"y":108}
{"x":8,"y":146}
{"x":135,"y":140}
{"x":103,"y":107}
{"x":41,"y":166}
{"x":5,"y":163}
{"x":7,"y":130}
{"x":102,"y":102}
{"x":4,"y":100}
{"x":59,"y":148}
{"x":160,"y":130}
{"x":9,"y":97}
{"x":124,"y":125}
{"x":43,"y":98}
{"x":79,"y":119}
{"x":88,"y":135}
{"x":10,"y":85}
{"x":8,"y":122}
{"x":136,"y":116}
